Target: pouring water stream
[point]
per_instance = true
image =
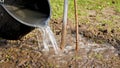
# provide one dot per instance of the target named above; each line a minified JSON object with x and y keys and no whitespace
{"x":48,"y":36}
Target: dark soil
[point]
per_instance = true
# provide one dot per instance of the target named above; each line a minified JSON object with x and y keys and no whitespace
{"x":98,"y":47}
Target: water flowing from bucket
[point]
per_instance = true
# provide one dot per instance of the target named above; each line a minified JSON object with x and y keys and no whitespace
{"x":49,"y":39}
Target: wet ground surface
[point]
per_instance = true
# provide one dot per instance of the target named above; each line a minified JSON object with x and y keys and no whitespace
{"x":98,"y":48}
{"x":25,"y":53}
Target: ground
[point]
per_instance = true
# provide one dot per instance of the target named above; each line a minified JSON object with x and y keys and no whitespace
{"x":99,"y":45}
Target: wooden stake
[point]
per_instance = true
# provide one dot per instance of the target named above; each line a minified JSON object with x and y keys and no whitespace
{"x":64,"y":24}
{"x":76,"y":21}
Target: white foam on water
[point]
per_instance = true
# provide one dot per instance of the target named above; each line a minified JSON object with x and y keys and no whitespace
{"x":48,"y":36}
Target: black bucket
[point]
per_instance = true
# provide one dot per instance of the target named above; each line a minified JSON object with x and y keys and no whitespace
{"x":19,"y":17}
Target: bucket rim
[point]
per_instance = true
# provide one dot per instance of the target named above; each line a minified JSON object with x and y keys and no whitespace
{"x":31,"y":25}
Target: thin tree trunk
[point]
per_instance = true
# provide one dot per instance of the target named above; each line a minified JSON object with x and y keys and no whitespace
{"x":64,"y":24}
{"x":76,"y":21}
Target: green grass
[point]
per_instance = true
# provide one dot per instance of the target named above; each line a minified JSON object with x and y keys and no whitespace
{"x":106,"y":12}
{"x":117,"y":5}
{"x":83,"y":6}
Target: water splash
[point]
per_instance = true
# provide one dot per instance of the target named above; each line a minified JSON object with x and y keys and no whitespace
{"x":48,"y":39}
